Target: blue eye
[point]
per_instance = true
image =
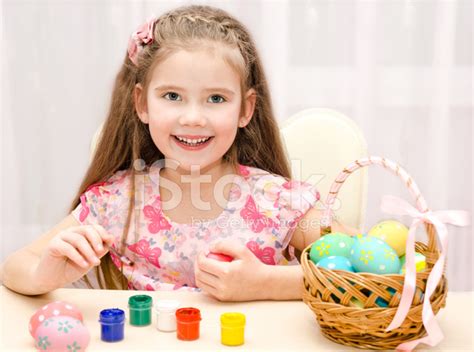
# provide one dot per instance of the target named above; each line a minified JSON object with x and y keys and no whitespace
{"x":172,"y":96}
{"x":219,"y":99}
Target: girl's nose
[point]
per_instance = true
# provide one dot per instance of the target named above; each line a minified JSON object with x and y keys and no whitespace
{"x":193,"y":116}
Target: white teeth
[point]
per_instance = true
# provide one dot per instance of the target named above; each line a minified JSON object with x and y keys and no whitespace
{"x":193,"y":141}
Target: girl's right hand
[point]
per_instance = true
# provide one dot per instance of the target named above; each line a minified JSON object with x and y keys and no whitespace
{"x":71,"y":254}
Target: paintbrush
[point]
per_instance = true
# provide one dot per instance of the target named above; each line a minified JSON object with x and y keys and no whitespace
{"x":124,"y":259}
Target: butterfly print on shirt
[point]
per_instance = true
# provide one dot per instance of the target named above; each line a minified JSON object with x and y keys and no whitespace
{"x":157,"y":219}
{"x":266,"y":255}
{"x":143,"y":250}
{"x":254,"y":218}
{"x":95,"y":188}
{"x":85,"y":209}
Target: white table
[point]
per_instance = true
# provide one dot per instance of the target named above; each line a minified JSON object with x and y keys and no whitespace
{"x":284,"y":325}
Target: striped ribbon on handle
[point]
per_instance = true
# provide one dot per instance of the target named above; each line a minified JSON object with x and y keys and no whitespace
{"x":360,"y":163}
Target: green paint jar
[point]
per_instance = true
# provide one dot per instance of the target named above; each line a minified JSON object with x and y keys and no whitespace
{"x":140,"y":310}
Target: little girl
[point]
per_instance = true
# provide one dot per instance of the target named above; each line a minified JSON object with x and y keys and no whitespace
{"x":189,"y":162}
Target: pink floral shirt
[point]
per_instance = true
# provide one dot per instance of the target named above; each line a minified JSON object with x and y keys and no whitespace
{"x":261,"y":213}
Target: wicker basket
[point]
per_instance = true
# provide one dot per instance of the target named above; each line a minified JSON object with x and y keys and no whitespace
{"x":328,"y":293}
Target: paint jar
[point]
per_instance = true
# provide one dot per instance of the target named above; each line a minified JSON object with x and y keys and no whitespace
{"x":187,"y":323}
{"x":165,"y":310}
{"x":112,"y":324}
{"x":140,"y":310}
{"x":232,"y":329}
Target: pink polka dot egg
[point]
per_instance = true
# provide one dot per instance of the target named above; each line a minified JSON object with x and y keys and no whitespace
{"x":58,"y":326}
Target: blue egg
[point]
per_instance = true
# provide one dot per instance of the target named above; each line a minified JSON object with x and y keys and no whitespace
{"x":383,"y":303}
{"x":335,"y":262}
{"x":372,"y":255}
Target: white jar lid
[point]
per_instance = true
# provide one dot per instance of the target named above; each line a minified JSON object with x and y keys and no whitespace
{"x":166,"y":305}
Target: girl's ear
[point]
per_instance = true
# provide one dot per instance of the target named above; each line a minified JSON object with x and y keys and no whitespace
{"x":137,"y":97}
{"x":250,"y":99}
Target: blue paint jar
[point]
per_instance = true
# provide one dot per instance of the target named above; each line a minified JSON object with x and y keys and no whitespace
{"x":112,"y":324}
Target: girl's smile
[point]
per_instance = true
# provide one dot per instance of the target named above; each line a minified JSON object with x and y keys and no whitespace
{"x":193,"y":142}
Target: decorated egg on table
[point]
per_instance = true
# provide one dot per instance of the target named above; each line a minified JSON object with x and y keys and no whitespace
{"x":420,"y":263}
{"x":53,"y":309}
{"x":334,"y":262}
{"x":333,"y":244}
{"x":392,"y":232}
{"x":61,"y":333}
{"x":372,"y":255}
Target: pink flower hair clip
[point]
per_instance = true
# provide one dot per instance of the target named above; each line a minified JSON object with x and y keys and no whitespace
{"x":141,"y":37}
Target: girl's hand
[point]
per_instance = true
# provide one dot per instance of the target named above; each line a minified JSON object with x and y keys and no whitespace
{"x":239,"y":280}
{"x":71,"y":254}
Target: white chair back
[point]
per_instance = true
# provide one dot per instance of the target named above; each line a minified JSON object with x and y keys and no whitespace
{"x":320,"y":143}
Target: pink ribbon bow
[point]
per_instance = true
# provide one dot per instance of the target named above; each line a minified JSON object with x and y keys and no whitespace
{"x":141,"y":37}
{"x":396,"y":206}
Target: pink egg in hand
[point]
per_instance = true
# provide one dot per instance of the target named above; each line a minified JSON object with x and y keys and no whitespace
{"x":61,"y":333}
{"x":52,"y":309}
{"x":220,"y":256}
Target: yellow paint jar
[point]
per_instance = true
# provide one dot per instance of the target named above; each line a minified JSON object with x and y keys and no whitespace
{"x":232,"y":329}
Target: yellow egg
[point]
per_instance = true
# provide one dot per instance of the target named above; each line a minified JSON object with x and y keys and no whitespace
{"x":356,"y":303}
{"x":393,"y":232}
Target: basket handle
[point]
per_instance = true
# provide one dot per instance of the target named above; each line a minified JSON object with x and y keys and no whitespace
{"x":389,"y":165}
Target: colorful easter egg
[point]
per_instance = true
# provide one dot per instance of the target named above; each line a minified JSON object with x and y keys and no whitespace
{"x":335,"y":297}
{"x":336,"y":263}
{"x":420,"y":262}
{"x":372,"y":255}
{"x":379,"y":301}
{"x":220,"y":257}
{"x":61,"y":333}
{"x":52,"y":309}
{"x":337,"y":244}
{"x":382,"y":302}
{"x":359,"y":304}
{"x":356,"y":303}
{"x":393,"y":232}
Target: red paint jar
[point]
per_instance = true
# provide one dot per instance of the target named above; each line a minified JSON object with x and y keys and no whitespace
{"x":187,"y":323}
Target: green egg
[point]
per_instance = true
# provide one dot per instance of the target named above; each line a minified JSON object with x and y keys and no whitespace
{"x":338,"y":244}
{"x":420,"y":262}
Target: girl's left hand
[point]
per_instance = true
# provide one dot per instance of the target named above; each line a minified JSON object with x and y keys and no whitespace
{"x":239,"y":280}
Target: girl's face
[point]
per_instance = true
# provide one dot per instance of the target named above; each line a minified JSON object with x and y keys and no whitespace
{"x":194,"y":107}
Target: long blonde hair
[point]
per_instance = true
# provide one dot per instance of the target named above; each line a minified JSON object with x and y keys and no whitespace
{"x":126,"y":139}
